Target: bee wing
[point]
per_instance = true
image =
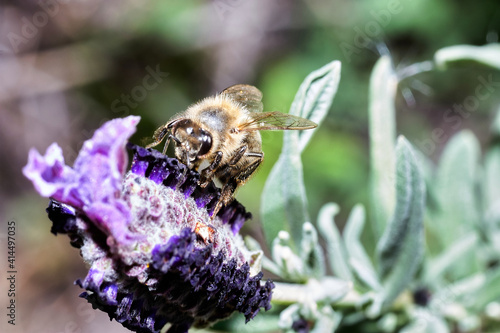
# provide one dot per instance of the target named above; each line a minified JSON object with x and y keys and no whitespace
{"x":247,"y":95}
{"x":276,"y":121}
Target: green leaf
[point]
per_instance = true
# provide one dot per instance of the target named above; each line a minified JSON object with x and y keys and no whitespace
{"x":253,"y":245}
{"x":446,"y":298}
{"x":314,"y":98}
{"x":291,"y":265}
{"x":359,"y":261}
{"x":495,"y":126}
{"x":456,"y":187}
{"x":263,"y":323}
{"x":489,"y":292}
{"x":388,"y":323}
{"x":328,"y":320}
{"x":337,"y":254}
{"x":424,"y":321}
{"x":284,"y":203}
{"x":311,"y":252}
{"x":352,"y":237}
{"x":488,"y":55}
{"x":288,"y":316}
{"x":436,"y":267}
{"x":383,"y":85}
{"x":428,"y":169}
{"x":327,"y":290}
{"x":401,"y":247}
{"x":365,"y":274}
{"x":271,"y":267}
{"x":491,"y":187}
{"x":470,"y":323}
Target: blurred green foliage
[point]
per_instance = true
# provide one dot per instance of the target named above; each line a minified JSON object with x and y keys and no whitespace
{"x":205,"y":46}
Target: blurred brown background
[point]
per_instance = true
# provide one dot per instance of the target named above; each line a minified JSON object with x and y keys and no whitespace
{"x":66,"y":66}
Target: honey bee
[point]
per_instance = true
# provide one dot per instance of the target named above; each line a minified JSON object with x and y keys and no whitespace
{"x":224,"y":131}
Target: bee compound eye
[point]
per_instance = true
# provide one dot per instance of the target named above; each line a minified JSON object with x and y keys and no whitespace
{"x":183,"y":124}
{"x":205,"y":141}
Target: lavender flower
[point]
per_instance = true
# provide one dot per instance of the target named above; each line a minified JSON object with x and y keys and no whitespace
{"x":156,"y":256}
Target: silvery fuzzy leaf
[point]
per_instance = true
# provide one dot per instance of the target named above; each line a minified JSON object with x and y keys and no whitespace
{"x":328,"y":320}
{"x":456,"y":185}
{"x":489,"y":291}
{"x":495,"y":125}
{"x":329,"y":289}
{"x":311,"y":252}
{"x":284,"y":203}
{"x":289,"y":315}
{"x":401,"y":247}
{"x":260,"y":324}
{"x":291,"y":266}
{"x":365,"y":274}
{"x":449,"y":299}
{"x":337,"y":255}
{"x":469,"y":324}
{"x":436,"y":267}
{"x":314,"y":98}
{"x":491,"y":192}
{"x":425,"y":321}
{"x":388,"y":323}
{"x":383,"y":85}
{"x":488,"y":55}
{"x":358,"y":259}
{"x":267,"y":264}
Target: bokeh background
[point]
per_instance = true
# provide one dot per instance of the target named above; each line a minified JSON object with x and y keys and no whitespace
{"x":66,"y":66}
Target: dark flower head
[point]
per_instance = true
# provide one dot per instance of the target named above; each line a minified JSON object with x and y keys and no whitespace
{"x":156,"y":256}
{"x":301,"y":326}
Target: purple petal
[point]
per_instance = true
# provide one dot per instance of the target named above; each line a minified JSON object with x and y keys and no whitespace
{"x":93,"y":185}
{"x":50,"y":176}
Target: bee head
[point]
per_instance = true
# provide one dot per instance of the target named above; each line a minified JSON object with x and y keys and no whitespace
{"x":192,"y":141}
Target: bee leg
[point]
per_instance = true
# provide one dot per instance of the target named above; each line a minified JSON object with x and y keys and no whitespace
{"x":208,"y":173}
{"x":226,"y":169}
{"x":243,"y":176}
{"x":158,"y":137}
{"x":227,"y":194}
{"x":239,"y":154}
